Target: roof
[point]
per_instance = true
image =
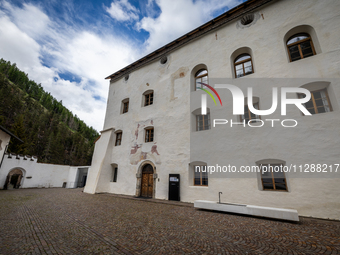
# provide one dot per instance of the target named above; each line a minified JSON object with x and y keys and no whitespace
{"x":213,"y":24}
{"x":9,"y":133}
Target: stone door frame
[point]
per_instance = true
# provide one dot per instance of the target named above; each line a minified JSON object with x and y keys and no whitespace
{"x":16,"y":170}
{"x":139,"y":178}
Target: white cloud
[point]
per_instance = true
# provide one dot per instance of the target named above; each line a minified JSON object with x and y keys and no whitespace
{"x":16,"y":45}
{"x":79,"y":52}
{"x":122,"y":10}
{"x":29,"y":19}
{"x":44,"y":46}
{"x":178,"y":18}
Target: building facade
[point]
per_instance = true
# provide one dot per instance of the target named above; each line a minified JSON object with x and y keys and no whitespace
{"x":154,"y":124}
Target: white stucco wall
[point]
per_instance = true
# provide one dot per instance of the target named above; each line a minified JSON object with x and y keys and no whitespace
{"x":42,"y":175}
{"x":170,"y":114}
{"x":4,"y":141}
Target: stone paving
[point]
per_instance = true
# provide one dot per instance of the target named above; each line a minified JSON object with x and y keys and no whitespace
{"x":65,"y":221}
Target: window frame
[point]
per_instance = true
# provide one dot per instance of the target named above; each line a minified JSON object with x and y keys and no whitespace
{"x":197,"y":120}
{"x":313,"y":100}
{"x":249,"y":113}
{"x":309,"y":38}
{"x":125,"y":106}
{"x":242,"y":62}
{"x":201,"y":76}
{"x":149,"y":138}
{"x":119,"y":136}
{"x":273,"y":179}
{"x":148,"y":98}
{"x":114,"y":174}
{"x":201,"y":178}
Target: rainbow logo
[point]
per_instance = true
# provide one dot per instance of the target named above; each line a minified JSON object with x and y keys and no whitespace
{"x":209,"y":93}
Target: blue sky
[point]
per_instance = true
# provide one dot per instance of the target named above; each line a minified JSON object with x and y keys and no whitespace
{"x":71,"y":46}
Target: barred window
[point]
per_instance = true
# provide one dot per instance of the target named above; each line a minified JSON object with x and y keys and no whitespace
{"x":203,"y":122}
{"x":149,"y":135}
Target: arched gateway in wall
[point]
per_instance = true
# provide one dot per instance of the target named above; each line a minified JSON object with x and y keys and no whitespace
{"x":13,"y":179}
{"x":146,"y":182}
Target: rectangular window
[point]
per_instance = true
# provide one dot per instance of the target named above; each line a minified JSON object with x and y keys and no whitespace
{"x":273,"y":177}
{"x":200,"y":176}
{"x":125,"y":106}
{"x":203,"y":122}
{"x":149,"y":133}
{"x":118,"y":138}
{"x":319,"y":102}
{"x":248,"y":115}
{"x":148,"y":99}
{"x":114,"y":174}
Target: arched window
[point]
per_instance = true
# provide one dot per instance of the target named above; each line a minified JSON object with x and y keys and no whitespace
{"x":200,"y":175}
{"x":319,"y":101}
{"x":114,"y":172}
{"x":201,"y":76}
{"x":272,"y":175}
{"x":243,"y":65}
{"x":300,"y":46}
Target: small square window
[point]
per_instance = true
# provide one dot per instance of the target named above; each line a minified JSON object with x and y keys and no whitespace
{"x":149,"y":135}
{"x":118,"y":138}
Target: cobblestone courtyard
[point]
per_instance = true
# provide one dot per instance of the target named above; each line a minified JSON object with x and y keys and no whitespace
{"x":65,"y":221}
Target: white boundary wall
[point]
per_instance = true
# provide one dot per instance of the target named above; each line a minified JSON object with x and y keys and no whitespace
{"x":38,"y":175}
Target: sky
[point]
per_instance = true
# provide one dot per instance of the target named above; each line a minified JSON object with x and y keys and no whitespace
{"x":69,"y":47}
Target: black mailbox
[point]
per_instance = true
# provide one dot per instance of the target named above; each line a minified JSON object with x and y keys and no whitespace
{"x":174,"y":187}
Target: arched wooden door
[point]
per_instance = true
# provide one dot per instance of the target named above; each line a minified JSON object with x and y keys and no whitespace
{"x":147,"y":181}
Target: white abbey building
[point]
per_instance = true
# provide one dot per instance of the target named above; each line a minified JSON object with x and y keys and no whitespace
{"x":154,"y":124}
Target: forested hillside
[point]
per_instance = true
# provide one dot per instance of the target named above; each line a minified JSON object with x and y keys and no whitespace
{"x":48,"y":129}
